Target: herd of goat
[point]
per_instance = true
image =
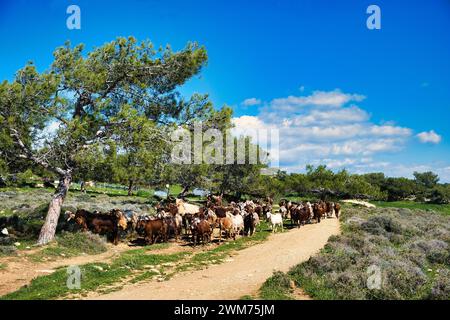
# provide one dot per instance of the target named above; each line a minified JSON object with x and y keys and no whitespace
{"x":173,"y":219}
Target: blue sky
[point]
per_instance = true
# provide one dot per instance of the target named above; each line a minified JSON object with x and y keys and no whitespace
{"x":340,"y":94}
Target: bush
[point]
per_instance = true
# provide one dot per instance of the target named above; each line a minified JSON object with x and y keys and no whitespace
{"x":402,"y":280}
{"x":436,"y":250}
{"x":441,"y":287}
{"x":276,"y":287}
{"x":25,"y":178}
{"x":6,"y":241}
{"x":82,"y":242}
{"x":405,"y":244}
{"x":7,"y":250}
{"x":380,"y":225}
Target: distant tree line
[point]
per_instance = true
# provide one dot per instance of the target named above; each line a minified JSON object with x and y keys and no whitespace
{"x":324,"y":183}
{"x":238,"y":181}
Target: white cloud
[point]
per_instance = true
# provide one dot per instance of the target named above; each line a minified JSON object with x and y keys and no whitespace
{"x":323,"y":125}
{"x":334,"y":98}
{"x":390,"y":130}
{"x":46,"y":134}
{"x":429,"y":137}
{"x":328,"y":128}
{"x":351,"y":114}
{"x":245,"y":124}
{"x":251,"y":102}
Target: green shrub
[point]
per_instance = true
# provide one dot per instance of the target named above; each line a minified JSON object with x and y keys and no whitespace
{"x":72,"y":244}
{"x":82,"y":242}
{"x":277,"y":287}
{"x":7,"y":250}
{"x":25,"y":178}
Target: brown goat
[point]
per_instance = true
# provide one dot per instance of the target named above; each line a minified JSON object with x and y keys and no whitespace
{"x":201,"y":231}
{"x":337,"y":210}
{"x":251,"y":220}
{"x":319,"y":211}
{"x":152,"y":230}
{"x":226,"y":224}
{"x":101,"y":223}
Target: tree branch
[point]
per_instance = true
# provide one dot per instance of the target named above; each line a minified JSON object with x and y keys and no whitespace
{"x":54,"y":115}
{"x":27,"y":154}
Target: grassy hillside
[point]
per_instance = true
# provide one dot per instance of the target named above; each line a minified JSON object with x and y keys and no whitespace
{"x":409,"y":249}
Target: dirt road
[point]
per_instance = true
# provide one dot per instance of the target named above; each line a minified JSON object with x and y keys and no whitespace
{"x":20,"y":270}
{"x":243,"y":274}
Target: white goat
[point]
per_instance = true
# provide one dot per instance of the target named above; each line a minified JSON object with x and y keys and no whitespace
{"x":238,"y":223}
{"x":184,"y":207}
{"x":275,"y":220}
{"x":310,"y":210}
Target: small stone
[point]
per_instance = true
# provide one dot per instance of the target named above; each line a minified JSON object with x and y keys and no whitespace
{"x":168,"y":264}
{"x":5,"y":231}
{"x":430,"y":270}
{"x":98,"y":268}
{"x":45,"y":271}
{"x":17,"y":244}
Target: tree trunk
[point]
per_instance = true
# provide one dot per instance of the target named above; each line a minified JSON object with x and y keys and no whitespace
{"x":130,"y":188}
{"x":54,"y":210}
{"x":184,"y":192}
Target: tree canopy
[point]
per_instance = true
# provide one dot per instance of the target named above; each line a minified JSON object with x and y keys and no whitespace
{"x":104,"y":96}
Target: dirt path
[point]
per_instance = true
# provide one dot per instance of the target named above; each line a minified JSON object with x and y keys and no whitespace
{"x":241,"y":275}
{"x":20,"y":270}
